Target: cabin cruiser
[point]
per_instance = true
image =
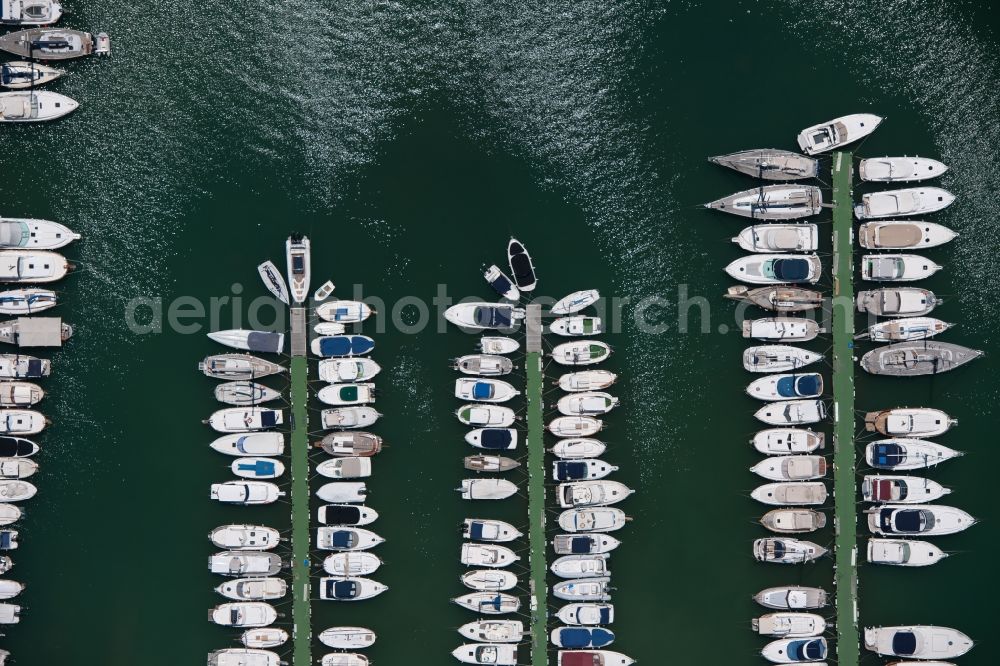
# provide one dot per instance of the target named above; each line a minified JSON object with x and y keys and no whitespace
{"x":521,"y":266}
{"x":26,"y":233}
{"x":592,"y":658}
{"x":792,"y":412}
{"x":344,"y":659}
{"x":794,"y":597}
{"x":19,"y":394}
{"x":585,"y":544}
{"x":251,"y":444}
{"x":837,"y":132}
{"x":348,"y":417}
{"x":779,"y":238}
{"x":795,"y":493}
{"x":575,"y":426}
{"x":348,"y":370}
{"x":904,"y":552}
{"x":484,"y":316}
{"x":909,"y":359}
{"x":253,"y":589}
{"x":901,"y":489}
{"x":9,"y":514}
{"x":903,"y":235}
{"x":343,"y":492}
{"x":30,"y":266}
{"x":17,"y":468}
{"x":909,"y":422}
{"x":244,"y":563}
{"x":583,"y":589}
{"x":575,"y":302}
{"x":493,"y":439}
{"x":243,"y":657}
{"x":347,"y":638}
{"x":770,"y":164}
{"x":793,"y":521}
{"x":586,"y":614}
{"x":787,"y":441}
{"x":489,"y":603}
{"x":238,"y":367}
{"x":350,"y":515}
{"x":246,"y":492}
{"x":581,"y":470}
{"x":487,"y":555}
{"x":899,"y":169}
{"x":901,"y":203}
{"x":346,"y":538}
{"x":591,"y":403}
{"x":777,"y":358}
{"x":245,"y":537}
{"x":345,"y":468}
{"x":597,"y":519}
{"x":487,"y":489}
{"x":299,"y":266}
{"x":583,"y":352}
{"x":482,"y":463}
{"x":906,"y":454}
{"x":489,"y":580}
{"x":484,"y":390}
{"x":244,"y":393}
{"x":908,"y":328}
{"x":772,"y":202}
{"x":30,"y":12}
{"x":244,"y":614}
{"x":493,"y":631}
{"x":492,"y":344}
{"x":586,"y":380}
{"x":591,"y":493}
{"x":897,"y":301}
{"x":485,"y":415}
{"x":917,"y":520}
{"x":498,"y":654}
{"x":581,"y":637}
{"x":349,"y":589}
{"x":502,"y":284}
{"x":784,"y":329}
{"x":344,"y":312}
{"x":347,"y":394}
{"x":22,"y":422}
{"x":795,"y":650}
{"x":54,"y":43}
{"x":13,"y":490}
{"x":791,"y":468}
{"x":581,"y":566}
{"x":483,"y":365}
{"x":245,"y":419}
{"x":492,"y":531}
{"x":917,"y":642}
{"x":575,"y":449}
{"x":576,"y":326}
{"x":779,"y":298}
{"x":896,"y":267}
{"x":789,"y":625}
{"x":787,"y":386}
{"x":341,"y":346}
{"x":782,"y":550}
{"x":776,"y":269}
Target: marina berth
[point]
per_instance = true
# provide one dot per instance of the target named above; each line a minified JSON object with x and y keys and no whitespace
{"x":521,"y":266}
{"x":33,"y":106}
{"x":25,"y":233}
{"x":493,"y":439}
{"x":581,"y":637}
{"x":586,"y":380}
{"x":485,"y":415}
{"x":577,"y":470}
{"x":244,"y":614}
{"x":792,"y":412}
{"x":26,"y":301}
{"x":484,"y":316}
{"x":787,"y":386}
{"x":482,"y":463}
{"x":491,"y":344}
{"x":487,"y":489}
{"x":22,"y":422}
{"x":910,"y":359}
{"x":581,"y":566}
{"x":483,"y":365}
{"x":253,"y":589}
{"x":838,"y":132}
{"x":575,"y":449}
{"x":19,"y":394}
{"x":917,"y":642}
{"x":347,"y":638}
{"x":344,"y":659}
{"x":20,"y":74}
{"x":350,"y":515}
{"x":783,"y":550}
{"x":901,"y":489}
{"x":901,"y":203}
{"x":575,"y":302}
{"x":351,"y":563}
{"x":29,"y":266}
{"x":791,"y":468}
{"x":245,"y":537}
{"x":769,"y":164}
{"x":17,"y":447}
{"x":347,"y":394}
{"x":483,"y":555}
{"x":489,"y":603}
{"x":244,"y":393}
{"x":238,"y":367}
{"x":909,"y":422}
{"x":489,"y":580}
{"x":264,"y":638}
{"x":583,"y":352}
{"x":575,"y":426}
{"x":586,"y":614}
{"x":501,"y":284}
{"x":907,"y":454}
{"x":498,"y":654}
{"x":251,"y":444}
{"x":904,"y":552}
{"x":299,"y":267}
{"x":348,"y":418}
{"x":591,"y":493}
{"x":909,"y":328}
{"x":343,"y":492}
{"x":493,"y":631}
{"x":583,"y":589}
{"x":789,"y":625}
{"x":488,"y":530}
{"x":597,"y":519}
{"x":16,"y":491}
{"x":346,"y":538}
{"x":585,"y":544}
{"x":244,"y":563}
{"x":896,"y":267}
{"x":777,"y":358}
{"x":794,"y":493}
{"x":779,"y":238}
{"x":772,"y":202}
{"x":795,"y":650}
{"x":255,"y":341}
{"x":273,"y":281}
{"x":785,"y":329}
{"x":794,"y":597}
{"x":246,"y":492}
{"x":897,"y":301}
{"x":348,"y":370}
{"x":344,"y":312}
{"x":591,"y":403}
{"x":484,"y":390}
{"x":54,"y":43}
{"x":345,"y":468}
{"x":903,"y":235}
{"x":245,"y":419}
{"x":781,"y":298}
{"x":793,"y":521}
{"x":899,"y":169}
{"x":243,"y":657}
{"x":341,"y":346}
{"x":592,"y":658}
{"x":786,"y":441}
{"x":349,"y":589}
{"x":577,"y":326}
{"x":917,"y":520}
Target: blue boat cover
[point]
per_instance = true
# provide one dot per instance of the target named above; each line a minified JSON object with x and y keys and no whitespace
{"x":904,"y":643}
{"x":34,"y":368}
{"x":342,"y":589}
{"x":520,"y":265}
{"x":265,"y":341}
{"x":492,"y":317}
{"x":605,"y":615}
{"x":888,"y":455}
{"x":5,"y":540}
{"x":574,"y":637}
{"x":779,"y":549}
{"x":495,"y":438}
{"x":501,"y":284}
{"x":342,"y":539}
{"x":269,"y":418}
{"x":907,"y":520}
{"x":581,"y":545}
{"x":495,"y":603}
{"x":600,"y":637}
{"x":808,"y":385}
{"x":258,"y":467}
{"x":341,"y":313}
{"x":482,"y":391}
{"x":790,"y":270}
{"x":568,"y":470}
{"x":345,"y":345}
{"x":475,"y":530}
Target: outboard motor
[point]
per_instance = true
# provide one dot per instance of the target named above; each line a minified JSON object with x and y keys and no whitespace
{"x":103,"y":45}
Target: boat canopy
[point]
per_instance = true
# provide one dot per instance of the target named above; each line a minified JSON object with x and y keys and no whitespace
{"x":904,"y":643}
{"x":802,"y":385}
{"x":343,"y":539}
{"x":349,"y":393}
{"x":482,"y":391}
{"x":492,"y":317}
{"x":581,"y":545}
{"x":568,"y":470}
{"x":342,"y":514}
{"x":806,"y":650}
{"x":341,"y":589}
{"x":888,"y":455}
{"x":883,"y":490}
{"x":343,"y":345}
{"x":265,"y":341}
{"x":575,"y":637}
{"x":269,"y":418}
{"x":495,"y":438}
{"x":787,"y":270}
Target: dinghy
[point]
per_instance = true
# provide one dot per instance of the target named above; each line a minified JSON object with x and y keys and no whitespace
{"x":772,"y":202}
{"x":576,"y":326}
{"x":501,"y":284}
{"x":243,"y":614}
{"x":917,"y":422}
{"x":597,"y":519}
{"x":489,"y":463}
{"x":575,"y":302}
{"x":779,"y":238}
{"x":592,"y":658}
{"x":896,"y":267}
{"x":781,"y":550}
{"x":581,"y":637}
{"x":575,"y":426}
{"x":18,"y":75}
{"x":903,"y":235}
{"x":245,"y":419}
{"x":26,"y":301}
{"x":574,"y":449}
{"x":246,"y":492}
{"x":489,"y":580}
{"x":31,"y":106}
{"x":787,"y":329}
{"x":22,"y":422}
{"x":347,"y":394}
{"x":341,"y":346}
{"x":482,"y":555}
{"x":583,"y":352}
{"x":910,"y":359}
{"x":782,"y":298}
{"x":838,"y":132}
{"x":578,"y":470}
{"x":897,"y":301}
{"x":243,"y":657}
{"x":586,"y":380}
{"x":344,"y":659}
{"x":917,"y":642}
{"x":497,"y":654}
{"x":245,"y":537}
{"x":483,"y":365}
{"x":789,"y":625}
{"x":909,"y":328}
{"x":493,"y":631}
{"x":323,"y":291}
{"x":491,"y":531}
{"x":354,"y":563}
{"x":904,"y":552}
{"x":487,"y":489}
{"x":350,"y":515}
{"x":253,"y":444}
{"x":591,"y":493}
{"x":484,"y":316}
{"x":776,"y":269}
{"x":245,"y":393}
{"x":907,"y":453}
{"x":795,"y":650}
{"x":591,"y":403}
{"x":345,"y":468}
{"x":901,"y":489}
{"x":794,"y":493}
{"x":792,"y":412}
{"x":257,"y":468}
{"x":901,"y":203}
{"x":348,"y":418}
{"x":793,"y":521}
{"x":27,"y":233}
{"x":497,"y":345}
{"x":346,"y":538}
{"x":521,"y":266}
{"x":485,"y":415}
{"x":586,"y":544}
{"x":349,"y":589}
{"x":343,"y":492}
{"x":484,"y":390}
{"x":264,"y":638}
{"x":344,"y":312}
{"x":348,"y":370}
{"x":791,"y":468}
{"x":350,"y":444}
{"x":236,"y":563}
{"x":581,"y":566}
{"x":493,"y":439}
{"x":787,"y":387}
{"x":238,"y":367}
{"x":777,"y":358}
{"x":19,"y":394}
{"x":10,"y":589}
{"x":794,"y":597}
{"x":917,"y":520}
{"x":583,"y":589}
{"x":255,"y":341}
{"x":347,"y":638}
{"x":30,"y":266}
{"x":9,"y":514}
{"x":273,"y":281}
{"x":253,"y":589}
{"x":16,"y":491}
{"x":489,"y":603}
{"x":586,"y":614}
{"x":899,"y":169}
{"x":770,"y":164}
{"x":298,"y":265}
{"x":786,"y":441}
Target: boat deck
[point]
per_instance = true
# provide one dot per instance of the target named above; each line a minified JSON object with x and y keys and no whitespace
{"x":536,"y":492}
{"x":844,"y":490}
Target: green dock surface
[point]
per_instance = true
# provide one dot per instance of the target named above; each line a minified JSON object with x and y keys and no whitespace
{"x":301,"y":611}
{"x":536,"y":509}
{"x":846,"y":528}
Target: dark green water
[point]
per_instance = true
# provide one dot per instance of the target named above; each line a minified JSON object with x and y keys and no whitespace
{"x":409,"y":142}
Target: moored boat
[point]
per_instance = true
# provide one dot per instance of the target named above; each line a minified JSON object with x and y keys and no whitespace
{"x":349,"y":589}
{"x":343,"y":492}
{"x":26,"y":301}
{"x":793,"y":521}
{"x":492,"y":344}
{"x":591,"y":493}
{"x":351,"y":467}
{"x":779,"y":238}
{"x":243,"y":614}
{"x":350,"y":443}
{"x":791,"y":493}
{"x":901,"y":203}
{"x":273,"y":281}
{"x":896,"y":267}
{"x":483,"y":463}
{"x":237,"y":367}
{"x":907,"y":453}
{"x":19,"y":394}
{"x":789,"y":625}
{"x":583,"y":589}
{"x":347,"y":638}
{"x":253,"y":589}
{"x":487,"y":489}
{"x":575,"y":302}
{"x":245,"y":419}
{"x":782,"y":550}
{"x":484,"y":415}
{"x":897,"y":301}
{"x":344,"y":312}
{"x":484,"y":390}
{"x":340,"y":418}
{"x":903,"y":489}
{"x":239,"y":563}
{"x":245,"y":537}
{"x":246,"y":493}
{"x":493,"y":439}
{"x":791,"y":468}
{"x":909,"y":359}
{"x":346,"y":538}
{"x":347,"y":394}
{"x":917,"y":642}
{"x":351,"y":515}
{"x":299,"y":267}
{"x":590,"y":520}
{"x":486,"y":555}
{"x":917,"y":422}
{"x":488,"y":530}
{"x":792,"y":412}
{"x":256,"y":341}
{"x":592,"y":658}
{"x":908,"y":328}
{"x":899,"y":169}
{"x":779,"y":387}
{"x":243,"y":657}
{"x":787,"y":441}
{"x":838,"y":132}
{"x":903,"y":235}
{"x":493,"y":631}
{"x":586,"y":380}
{"x":30,"y":266}
{"x":19,"y":74}
{"x":591,"y":403}
{"x":484,"y":316}
{"x":501,"y":284}
{"x":54,"y":43}
{"x":794,"y":597}
{"x":489,"y":603}
{"x":581,"y":637}
{"x":265,"y":637}
{"x":341,"y":346}
{"x":483,"y":365}
{"x":351,"y":563}
{"x":347,"y":370}
{"x":521,"y":267}
{"x":575,"y":426}
{"x":498,"y":654}
{"x":27,"y":233}
{"x":574,"y":449}
{"x":904,"y":552}
{"x":251,"y":444}
{"x":777,"y":358}
{"x":583,"y":544}
{"x":777,"y":298}
{"x":795,"y":650}
{"x":581,"y":566}
{"x":245,"y":393}
{"x":582,"y":352}
{"x":576,"y":470}
{"x":917,"y":520}
{"x":576,"y":326}
{"x":770,"y":164}
{"x":772,"y":202}
{"x":586,"y":614}
{"x":785,"y":329}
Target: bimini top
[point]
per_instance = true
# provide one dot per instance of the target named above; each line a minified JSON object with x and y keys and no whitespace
{"x":345,"y":345}
{"x":342,"y":589}
{"x":265,"y":341}
{"x":581,"y":637}
{"x":904,"y":643}
{"x":570,"y":470}
{"x":339,"y":514}
{"x":806,"y":650}
{"x":495,"y":438}
{"x":910,"y":521}
{"x":493,"y":317}
{"x":788,"y":270}
{"x":800,"y":385}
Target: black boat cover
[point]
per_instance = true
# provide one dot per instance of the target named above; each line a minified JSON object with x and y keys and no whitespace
{"x":342,"y":515}
{"x":520,"y":265}
{"x":265,"y":341}
{"x":495,"y":438}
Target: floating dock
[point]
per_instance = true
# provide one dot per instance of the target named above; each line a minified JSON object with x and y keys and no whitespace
{"x":536,"y":486}
{"x":844,"y":490}
{"x":301,"y":608}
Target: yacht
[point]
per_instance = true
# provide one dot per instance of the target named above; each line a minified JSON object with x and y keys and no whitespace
{"x":772,"y":202}
{"x":770,"y":164}
{"x":779,"y":238}
{"x":838,"y":132}
{"x":917,"y":642}
{"x":899,"y":169}
{"x":901,"y":203}
{"x":297,"y":258}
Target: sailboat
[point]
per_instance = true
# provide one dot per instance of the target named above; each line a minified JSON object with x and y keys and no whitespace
{"x":273,"y":280}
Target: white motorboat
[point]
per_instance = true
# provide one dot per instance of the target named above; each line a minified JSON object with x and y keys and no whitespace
{"x":501,"y":284}
{"x":899,"y":169}
{"x":22,"y":422}
{"x":591,"y":403}
{"x":257,"y":468}
{"x":793,"y":493}
{"x":916,"y":422}
{"x":344,"y":312}
{"x":485,"y":415}
{"x":901,"y":203}
{"x":838,"y":132}
{"x":487,"y":580}
{"x":896,"y":267}
{"x":343,"y":492}
{"x":245,"y":393}
{"x":346,"y":538}
{"x":19,"y":394}
{"x":581,"y":566}
{"x":897,"y":301}
{"x":30,"y":266}
{"x":901,"y":489}
{"x":787,"y":386}
{"x":904,"y":552}
{"x":246,"y":492}
{"x":592,"y":658}
{"x":341,"y":346}
{"x":787,"y":441}
{"x":20,"y":74}
{"x":245,"y":537}
{"x":238,"y":367}
{"x":349,"y":589}
{"x":484,"y":316}
{"x":575,"y":302}
{"x":347,"y":394}
{"x":576,"y":326}
{"x":483,"y":365}
{"x":345,"y":468}
{"x":783,"y":550}
{"x":16,"y":491}
{"x":583,"y":589}
{"x":244,"y":614}
{"x":575,"y":426}
{"x":240,"y":563}
{"x":521,"y":267}
{"x":497,"y":345}
{"x":299,"y":267}
{"x":243,"y":657}
{"x":917,"y":642}
{"x":572,"y":449}
{"x":264,"y":637}
{"x":493,"y":439}
{"x":489,"y":603}
{"x":484,"y":390}
{"x":582,"y":352}
{"x":795,"y":650}
{"x":26,"y":301}
{"x":779,"y":238}
{"x":792,"y":412}
{"x":328,"y":328}
{"x":347,"y":638}
{"x":591,"y":493}
{"x":493,"y":531}
{"x":493,"y":631}
{"x":909,"y":328}
{"x":906,"y":454}
{"x":769,"y":164}
{"x":273,"y":281}
{"x":347,"y":370}
{"x":793,"y":521}
{"x":487,"y":489}
{"x":34,"y":106}
{"x":252,"y":444}
{"x":9,"y":514}
{"x":581,"y":470}
{"x":10,"y":589}
{"x":253,"y":589}
{"x":343,"y":418}
{"x":794,"y":597}
{"x":245,"y":419}
{"x":917,"y":520}
{"x":772,"y":202}
{"x":323,"y":291}
{"x":344,"y":659}
{"x":778,"y":358}
{"x":586,"y":614}
{"x":583,"y":544}
{"x":596,"y":519}
{"x":351,"y":515}
{"x":786,"y":329}
{"x":27,"y":233}
{"x":487,"y":555}
{"x":351,"y":563}
{"x":791,"y":468}
{"x":485,"y":463}
{"x":498,"y":654}
{"x":30,"y":12}
{"x":903,"y":235}
{"x":789,"y":625}
{"x":255,"y":341}
{"x":586,"y":380}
